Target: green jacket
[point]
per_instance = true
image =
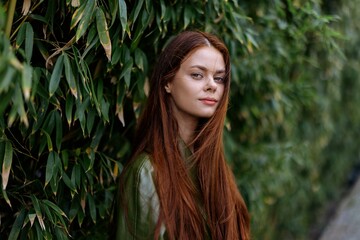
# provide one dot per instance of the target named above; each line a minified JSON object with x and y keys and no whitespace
{"x":142,"y":200}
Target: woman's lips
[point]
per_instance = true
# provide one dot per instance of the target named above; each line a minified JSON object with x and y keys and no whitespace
{"x":208,"y":101}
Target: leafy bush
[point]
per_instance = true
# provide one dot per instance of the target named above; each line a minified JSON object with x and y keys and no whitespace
{"x":73,"y":77}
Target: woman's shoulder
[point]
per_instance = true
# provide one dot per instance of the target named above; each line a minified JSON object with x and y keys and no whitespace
{"x":140,"y":169}
{"x":141,"y":162}
{"x":139,"y":177}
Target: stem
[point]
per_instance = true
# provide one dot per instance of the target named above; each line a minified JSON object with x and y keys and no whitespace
{"x":10,"y":17}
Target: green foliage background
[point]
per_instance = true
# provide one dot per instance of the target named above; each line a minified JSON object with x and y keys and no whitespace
{"x":73,"y":77}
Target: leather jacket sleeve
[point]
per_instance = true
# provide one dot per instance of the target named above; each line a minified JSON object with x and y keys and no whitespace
{"x":139,"y":207}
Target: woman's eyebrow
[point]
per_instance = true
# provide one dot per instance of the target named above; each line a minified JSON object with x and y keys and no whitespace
{"x":205,"y":69}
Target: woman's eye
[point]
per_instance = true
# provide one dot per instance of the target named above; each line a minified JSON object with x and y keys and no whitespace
{"x":219,"y":79}
{"x":196,"y":75}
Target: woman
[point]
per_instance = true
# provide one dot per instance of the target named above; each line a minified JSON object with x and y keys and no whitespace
{"x":177,"y":184}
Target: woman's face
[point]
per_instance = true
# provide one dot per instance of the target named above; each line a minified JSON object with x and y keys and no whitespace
{"x":198,"y":85}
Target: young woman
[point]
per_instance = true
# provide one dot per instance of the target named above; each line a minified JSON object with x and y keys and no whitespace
{"x":177,"y":184}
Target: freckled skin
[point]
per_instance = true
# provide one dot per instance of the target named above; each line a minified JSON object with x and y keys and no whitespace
{"x":198,"y":85}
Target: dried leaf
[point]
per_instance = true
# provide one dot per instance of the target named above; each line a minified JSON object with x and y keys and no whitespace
{"x":26,"y":7}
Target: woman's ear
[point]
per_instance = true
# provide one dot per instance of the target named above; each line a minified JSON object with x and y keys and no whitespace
{"x":168,"y":88}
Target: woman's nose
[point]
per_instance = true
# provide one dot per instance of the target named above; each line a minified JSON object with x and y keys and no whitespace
{"x":210,"y":84}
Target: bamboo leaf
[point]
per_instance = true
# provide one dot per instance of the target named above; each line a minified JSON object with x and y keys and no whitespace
{"x":59,"y":130}
{"x":6,"y":198}
{"x":80,"y":113}
{"x":68,"y":182}
{"x":74,"y":209}
{"x":57,"y":210}
{"x":26,"y":7}
{"x":65,"y":158}
{"x":7,"y":79}
{"x":36,"y":205}
{"x":6,"y":165}
{"x":48,"y":140}
{"x":85,"y":19}
{"x":48,"y":213}
{"x":136,"y":11}
{"x":77,"y":16}
{"x":26,"y":80}
{"x":123,"y":17}
{"x":56,"y":75}
{"x":103,"y":32}
{"x":188,"y":14}
{"x":97,"y":136}
{"x":68,"y":108}
{"x":50,"y":168}
{"x":141,"y":60}
{"x":114,"y":8}
{"x":126,"y":71}
{"x":18,"y":107}
{"x":69,"y":75}
{"x":90,"y":121}
{"x":17,"y":226}
{"x":29,"y":41}
{"x":92,"y":207}
{"x":105,"y":106}
{"x":31,"y":217}
{"x":20,"y":37}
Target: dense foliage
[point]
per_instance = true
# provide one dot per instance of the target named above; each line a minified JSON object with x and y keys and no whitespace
{"x":73,"y":77}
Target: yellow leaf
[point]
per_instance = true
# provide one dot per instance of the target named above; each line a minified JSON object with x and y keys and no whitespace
{"x":26,"y":7}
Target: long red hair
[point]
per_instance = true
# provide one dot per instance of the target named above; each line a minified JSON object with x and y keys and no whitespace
{"x":226,"y":215}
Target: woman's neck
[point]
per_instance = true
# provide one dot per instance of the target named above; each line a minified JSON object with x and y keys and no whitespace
{"x":187,"y":128}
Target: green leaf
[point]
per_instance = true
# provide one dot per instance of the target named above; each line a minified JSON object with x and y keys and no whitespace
{"x":48,"y":213}
{"x":36,"y":205}
{"x":20,"y":36}
{"x":59,"y":130}
{"x":56,"y":75}
{"x":50,"y":168}
{"x":92,"y":207}
{"x":7,"y":79}
{"x":76,"y":175}
{"x":123,"y":16}
{"x":187,"y":16}
{"x":74,"y":209}
{"x":6,"y":165}
{"x":3,"y":105}
{"x":26,"y":80}
{"x":90,"y":121}
{"x":114,"y":8}
{"x":18,"y":107}
{"x":80,"y":113}
{"x":17,"y":226}
{"x":29,"y":41}
{"x":126,"y":71}
{"x":68,"y":108}
{"x":103,"y":32}
{"x":69,"y":75}
{"x":85,"y":19}
{"x":6,"y":197}
{"x":65,"y":158}
{"x":57,"y":210}
{"x":78,"y":15}
{"x":68,"y":182}
{"x":48,"y":140}
{"x":97,"y":136}
{"x":136,"y":10}
{"x":105,"y":106}
{"x":141,"y":60}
